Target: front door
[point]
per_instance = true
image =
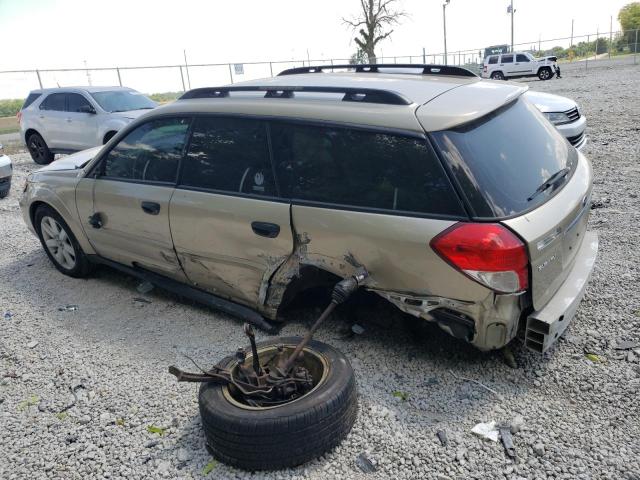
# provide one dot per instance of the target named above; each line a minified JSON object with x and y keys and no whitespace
{"x":131,"y":192}
{"x":522,"y":65}
{"x":229,"y":228}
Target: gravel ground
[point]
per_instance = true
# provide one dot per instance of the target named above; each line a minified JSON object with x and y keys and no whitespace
{"x":577,"y":418}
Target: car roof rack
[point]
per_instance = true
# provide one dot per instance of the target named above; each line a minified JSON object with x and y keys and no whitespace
{"x":375,"y":68}
{"x":351,"y":94}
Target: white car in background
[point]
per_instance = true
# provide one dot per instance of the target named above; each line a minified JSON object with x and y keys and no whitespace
{"x":65,"y":120}
{"x":564,"y":113}
{"x":6,"y":171}
{"x":518,"y":64}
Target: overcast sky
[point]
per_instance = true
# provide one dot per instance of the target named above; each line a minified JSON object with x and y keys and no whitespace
{"x":64,"y":33}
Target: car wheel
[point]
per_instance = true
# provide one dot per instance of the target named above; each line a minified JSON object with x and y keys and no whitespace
{"x":497,"y":76}
{"x":39,"y":150}
{"x":60,"y":244}
{"x":286,"y":435}
{"x":544,"y":73}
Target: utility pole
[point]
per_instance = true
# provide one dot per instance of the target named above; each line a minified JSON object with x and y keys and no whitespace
{"x":186,"y":67}
{"x":88,"y":74}
{"x":511,"y":11}
{"x":572,"y":32}
{"x":610,"y":33}
{"x":444,"y":24}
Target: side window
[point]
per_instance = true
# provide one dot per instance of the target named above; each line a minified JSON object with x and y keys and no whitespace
{"x":507,"y":58}
{"x":30,"y":99}
{"x":521,"y":58}
{"x":360,"y":168}
{"x":229,"y":154}
{"x":55,"y":101}
{"x":493,"y":60}
{"x":149,"y":153}
{"x":75,"y":103}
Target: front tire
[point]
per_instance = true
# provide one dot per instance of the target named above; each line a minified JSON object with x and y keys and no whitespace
{"x":267,"y":438}
{"x":6,"y":190}
{"x":39,"y":150}
{"x":545,"y":73}
{"x":60,"y":244}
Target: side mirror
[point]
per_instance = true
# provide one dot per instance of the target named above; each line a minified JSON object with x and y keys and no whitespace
{"x":87,"y":109}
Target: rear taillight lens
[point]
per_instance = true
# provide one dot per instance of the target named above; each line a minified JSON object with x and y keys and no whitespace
{"x":19,"y":115}
{"x":485,"y":69}
{"x":489,"y":253}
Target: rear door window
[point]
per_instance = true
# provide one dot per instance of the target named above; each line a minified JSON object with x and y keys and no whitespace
{"x":229,"y":155}
{"x":351,"y":167}
{"x":75,"y":102}
{"x":55,"y":102}
{"x":500,"y":160}
{"x":149,"y":153}
{"x":507,"y":58}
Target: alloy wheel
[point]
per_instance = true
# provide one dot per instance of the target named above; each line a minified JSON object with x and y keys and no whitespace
{"x":58,"y":242}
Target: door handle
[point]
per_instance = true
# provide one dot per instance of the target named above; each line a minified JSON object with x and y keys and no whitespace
{"x":265,"y":229}
{"x":68,"y":120}
{"x":152,"y":208}
{"x":516,"y":64}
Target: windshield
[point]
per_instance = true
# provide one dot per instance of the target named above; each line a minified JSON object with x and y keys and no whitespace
{"x":122,"y":101}
{"x":501,"y":159}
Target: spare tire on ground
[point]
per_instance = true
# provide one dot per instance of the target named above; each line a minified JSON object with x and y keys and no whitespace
{"x":274,"y":437}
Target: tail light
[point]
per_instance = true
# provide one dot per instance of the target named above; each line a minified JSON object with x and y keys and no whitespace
{"x":488,"y":253}
{"x":19,"y":115}
{"x":485,"y":69}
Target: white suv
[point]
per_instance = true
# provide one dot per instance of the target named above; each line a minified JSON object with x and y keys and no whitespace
{"x":518,"y":64}
{"x":64,"y":120}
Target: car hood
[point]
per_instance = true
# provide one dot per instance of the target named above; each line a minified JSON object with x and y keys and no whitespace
{"x":547,"y":102}
{"x":131,"y":114}
{"x":72,"y":162}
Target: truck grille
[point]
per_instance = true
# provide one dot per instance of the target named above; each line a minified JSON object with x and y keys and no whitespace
{"x":573,"y":114}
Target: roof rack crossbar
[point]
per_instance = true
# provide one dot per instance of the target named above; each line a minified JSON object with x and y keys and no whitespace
{"x":427,"y":69}
{"x":364,"y":95}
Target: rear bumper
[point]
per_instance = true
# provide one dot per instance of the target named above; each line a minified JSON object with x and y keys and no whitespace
{"x":547,"y":324}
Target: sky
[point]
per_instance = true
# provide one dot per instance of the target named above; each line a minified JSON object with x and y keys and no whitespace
{"x":67,"y":33}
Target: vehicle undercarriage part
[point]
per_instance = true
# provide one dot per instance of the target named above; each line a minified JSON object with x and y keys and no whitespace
{"x":284,"y":388}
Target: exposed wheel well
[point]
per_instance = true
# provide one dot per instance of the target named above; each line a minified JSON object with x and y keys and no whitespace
{"x":546,"y":67}
{"x":310,"y":278}
{"x":108,"y":136}
{"x":32,"y":211}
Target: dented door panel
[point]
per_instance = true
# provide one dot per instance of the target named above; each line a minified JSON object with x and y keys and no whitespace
{"x":218,"y":248}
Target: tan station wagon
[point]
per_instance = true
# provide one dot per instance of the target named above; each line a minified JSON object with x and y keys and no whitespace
{"x":463,"y":203}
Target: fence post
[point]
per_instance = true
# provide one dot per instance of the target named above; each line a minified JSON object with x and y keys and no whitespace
{"x":184,"y":88}
{"x":635,"y":48}
{"x":424,"y":56}
{"x":119,"y":78}
{"x":271,"y":68}
{"x":586,"y":58}
{"x":230,"y":73}
{"x":40,"y":80}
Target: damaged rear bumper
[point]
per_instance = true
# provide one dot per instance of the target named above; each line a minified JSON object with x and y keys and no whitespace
{"x":546,"y":325}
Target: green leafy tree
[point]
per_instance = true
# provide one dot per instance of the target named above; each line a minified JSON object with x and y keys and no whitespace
{"x":629,"y":18}
{"x":373,"y":23}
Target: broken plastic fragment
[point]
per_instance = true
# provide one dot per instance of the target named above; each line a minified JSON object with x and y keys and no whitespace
{"x":593,"y":357}
{"x":507,"y":440}
{"x":365,"y":464}
{"x":68,"y":308}
{"x":442,"y":436}
{"x":487,"y":431}
{"x":357,"y":329}
{"x":145,"y":287}
{"x":8,"y":315}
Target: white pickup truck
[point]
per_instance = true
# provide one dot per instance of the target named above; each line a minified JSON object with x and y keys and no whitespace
{"x":519,"y":64}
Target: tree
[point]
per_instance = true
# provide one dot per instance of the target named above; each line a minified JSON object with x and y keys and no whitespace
{"x":372,"y":24}
{"x":629,"y":18}
{"x":358,"y":58}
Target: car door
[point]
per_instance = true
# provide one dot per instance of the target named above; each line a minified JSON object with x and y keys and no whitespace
{"x":522,"y":65}
{"x":230,"y":229}
{"x":82,"y":122}
{"x":506,"y":64}
{"x":52,"y":117}
{"x":130,"y":189}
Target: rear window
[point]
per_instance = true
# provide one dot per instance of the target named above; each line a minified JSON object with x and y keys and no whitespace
{"x":507,"y":58}
{"x":30,"y":99}
{"x":500,"y":160}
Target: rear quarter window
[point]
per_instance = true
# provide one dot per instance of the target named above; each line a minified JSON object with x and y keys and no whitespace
{"x":493,"y":60}
{"x":351,"y":167}
{"x":32,"y":97}
{"x":501,"y":159}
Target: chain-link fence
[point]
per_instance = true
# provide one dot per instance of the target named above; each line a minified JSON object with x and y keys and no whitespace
{"x":174,"y":78}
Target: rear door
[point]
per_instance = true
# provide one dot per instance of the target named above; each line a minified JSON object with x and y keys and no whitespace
{"x":82,"y":126}
{"x":52,"y":116}
{"x":131,"y":192}
{"x":506,"y":64}
{"x":230,"y":229}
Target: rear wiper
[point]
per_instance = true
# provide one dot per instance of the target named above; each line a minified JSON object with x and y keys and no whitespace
{"x":552,"y":180}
